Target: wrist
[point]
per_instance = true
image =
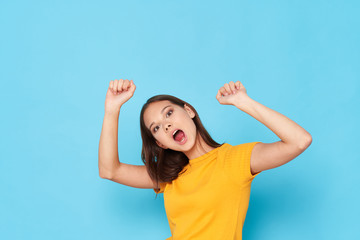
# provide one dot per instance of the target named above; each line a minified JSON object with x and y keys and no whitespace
{"x":244,"y":103}
{"x":113,"y":111}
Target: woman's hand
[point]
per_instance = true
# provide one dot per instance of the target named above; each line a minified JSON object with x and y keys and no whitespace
{"x":232,"y":94}
{"x":119,"y":92}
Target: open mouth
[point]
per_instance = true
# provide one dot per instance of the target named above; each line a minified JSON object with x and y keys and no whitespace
{"x":179,"y":136}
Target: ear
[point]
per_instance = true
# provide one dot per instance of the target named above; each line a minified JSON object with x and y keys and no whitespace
{"x":189,"y":111}
{"x":160,"y":145}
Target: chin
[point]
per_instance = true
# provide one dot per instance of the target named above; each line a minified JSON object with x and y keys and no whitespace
{"x":189,"y":145}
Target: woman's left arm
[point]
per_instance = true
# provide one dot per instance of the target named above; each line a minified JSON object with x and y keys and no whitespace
{"x":294,"y":138}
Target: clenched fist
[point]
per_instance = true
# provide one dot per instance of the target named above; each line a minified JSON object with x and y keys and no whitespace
{"x":119,"y":92}
{"x":232,"y":94}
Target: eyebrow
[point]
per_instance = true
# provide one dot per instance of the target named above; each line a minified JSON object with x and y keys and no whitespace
{"x":161,"y":113}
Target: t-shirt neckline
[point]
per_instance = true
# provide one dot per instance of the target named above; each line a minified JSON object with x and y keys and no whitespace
{"x":208,"y":154}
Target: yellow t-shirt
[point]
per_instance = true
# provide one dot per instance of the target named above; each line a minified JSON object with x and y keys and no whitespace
{"x":210,"y":199}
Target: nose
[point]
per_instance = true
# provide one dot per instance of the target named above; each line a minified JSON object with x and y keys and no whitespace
{"x":167,"y":126}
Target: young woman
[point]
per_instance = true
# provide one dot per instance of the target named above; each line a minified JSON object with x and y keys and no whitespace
{"x":206,"y":185}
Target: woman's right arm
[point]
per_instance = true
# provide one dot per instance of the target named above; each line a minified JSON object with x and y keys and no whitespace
{"x":109,"y":165}
{"x":108,"y":146}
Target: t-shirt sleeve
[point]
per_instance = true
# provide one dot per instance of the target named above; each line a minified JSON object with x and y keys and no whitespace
{"x":237,"y":163}
{"x":161,"y":187}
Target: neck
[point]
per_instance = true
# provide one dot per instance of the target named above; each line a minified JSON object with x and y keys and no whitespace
{"x":199,"y":149}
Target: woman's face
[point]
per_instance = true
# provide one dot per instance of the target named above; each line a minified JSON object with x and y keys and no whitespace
{"x":171,"y":125}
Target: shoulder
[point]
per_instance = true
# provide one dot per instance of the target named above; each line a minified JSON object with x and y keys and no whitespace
{"x":243,"y":148}
{"x":237,"y":161}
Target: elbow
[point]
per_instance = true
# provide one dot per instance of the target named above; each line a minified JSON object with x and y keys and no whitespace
{"x":105,"y":174}
{"x":306,"y":142}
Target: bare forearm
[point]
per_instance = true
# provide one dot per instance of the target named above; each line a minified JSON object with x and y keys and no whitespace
{"x":108,"y":146}
{"x":286,"y":129}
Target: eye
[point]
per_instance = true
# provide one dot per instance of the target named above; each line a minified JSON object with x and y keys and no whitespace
{"x":155,"y":128}
{"x":169,"y":112}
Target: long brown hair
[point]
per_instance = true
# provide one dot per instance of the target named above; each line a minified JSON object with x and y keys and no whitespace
{"x":164,"y":165}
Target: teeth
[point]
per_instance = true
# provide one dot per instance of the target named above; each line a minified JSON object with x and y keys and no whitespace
{"x":175,"y":132}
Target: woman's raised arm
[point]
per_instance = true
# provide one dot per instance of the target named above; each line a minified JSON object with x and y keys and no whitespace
{"x":294,"y":138}
{"x":110,"y":167}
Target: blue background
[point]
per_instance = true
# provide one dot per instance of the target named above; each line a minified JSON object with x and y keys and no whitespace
{"x":300,"y":58}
